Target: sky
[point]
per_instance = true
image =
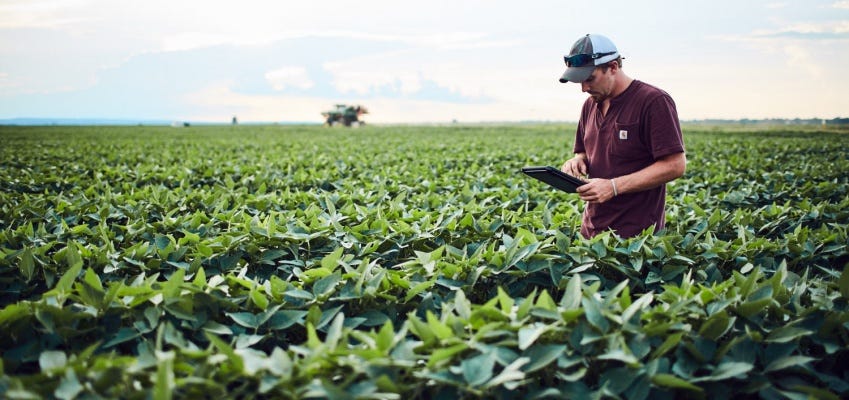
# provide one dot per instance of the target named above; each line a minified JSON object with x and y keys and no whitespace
{"x":412,"y":62}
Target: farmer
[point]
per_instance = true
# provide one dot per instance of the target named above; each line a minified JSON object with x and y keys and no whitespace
{"x":628,"y":144}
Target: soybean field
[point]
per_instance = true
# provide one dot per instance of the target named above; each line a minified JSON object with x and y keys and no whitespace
{"x":406,"y":262}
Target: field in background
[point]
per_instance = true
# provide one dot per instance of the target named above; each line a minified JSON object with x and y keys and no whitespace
{"x":413,"y":262}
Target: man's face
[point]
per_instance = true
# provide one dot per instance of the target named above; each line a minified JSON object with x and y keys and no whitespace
{"x":599,"y":85}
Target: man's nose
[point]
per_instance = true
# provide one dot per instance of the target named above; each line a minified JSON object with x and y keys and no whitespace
{"x":585,"y":86}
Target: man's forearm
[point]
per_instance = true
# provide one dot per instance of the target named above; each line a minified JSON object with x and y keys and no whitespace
{"x":663,"y":170}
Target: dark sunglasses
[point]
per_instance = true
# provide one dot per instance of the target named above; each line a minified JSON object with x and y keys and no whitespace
{"x":579,"y":60}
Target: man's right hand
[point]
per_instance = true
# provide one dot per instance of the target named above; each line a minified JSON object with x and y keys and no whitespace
{"x":576,"y":166}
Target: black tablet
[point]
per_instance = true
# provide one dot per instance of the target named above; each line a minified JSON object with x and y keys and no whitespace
{"x":554,"y":177}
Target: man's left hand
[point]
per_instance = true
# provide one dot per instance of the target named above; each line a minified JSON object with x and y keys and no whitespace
{"x":597,"y":190}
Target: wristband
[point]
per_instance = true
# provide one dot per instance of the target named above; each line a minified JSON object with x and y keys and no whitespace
{"x":615,"y":192}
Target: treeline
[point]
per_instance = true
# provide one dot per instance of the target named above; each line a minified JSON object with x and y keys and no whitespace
{"x":774,"y":121}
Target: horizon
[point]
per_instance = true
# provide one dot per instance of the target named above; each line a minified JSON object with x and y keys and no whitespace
{"x":82,"y":122}
{"x":447,"y":61}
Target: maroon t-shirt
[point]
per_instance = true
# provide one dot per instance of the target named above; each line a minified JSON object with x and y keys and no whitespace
{"x":641,"y":126}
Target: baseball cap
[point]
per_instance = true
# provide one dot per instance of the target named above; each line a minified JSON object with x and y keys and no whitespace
{"x":588,"y":52}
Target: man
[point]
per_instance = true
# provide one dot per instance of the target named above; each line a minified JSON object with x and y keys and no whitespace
{"x":628,"y":143}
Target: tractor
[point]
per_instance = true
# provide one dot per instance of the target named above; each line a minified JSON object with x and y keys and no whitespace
{"x":344,"y":114}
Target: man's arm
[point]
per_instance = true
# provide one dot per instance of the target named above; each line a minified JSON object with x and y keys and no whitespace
{"x":663,"y":170}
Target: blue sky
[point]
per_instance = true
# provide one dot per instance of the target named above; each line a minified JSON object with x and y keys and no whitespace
{"x":411,"y":62}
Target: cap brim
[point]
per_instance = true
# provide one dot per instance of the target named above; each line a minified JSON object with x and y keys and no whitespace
{"x":577,"y":74}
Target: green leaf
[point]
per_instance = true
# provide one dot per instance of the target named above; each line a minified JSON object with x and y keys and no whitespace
{"x":334,"y":332}
{"x":258,"y":298}
{"x":643,"y":302}
{"x":616,"y":380}
{"x":325,"y":286}
{"x":750,"y":308}
{"x":313,"y":342}
{"x":72,"y":256}
{"x":749,"y":282}
{"x":593,"y":313}
{"x":246,"y":319}
{"x":541,"y":356}
{"x":123,"y":335}
{"x":280,"y":364}
{"x":478,"y":370}
{"x":843,"y":283}
{"x":225,"y":348}
{"x":67,"y":280}
{"x":572,"y":297}
{"x":27,"y":264}
{"x":70,"y":387}
{"x":815,"y":392}
{"x":93,"y":279}
{"x":14,"y":312}
{"x":421,"y":329}
{"x":51,"y":360}
{"x":299,"y":294}
{"x":171,"y":288}
{"x":164,"y":385}
{"x":385,"y":338}
{"x":445,"y":353}
{"x":510,"y":376}
{"x":737,"y":370}
{"x":331,"y":261}
{"x":505,"y":301}
{"x":670,"y":343}
{"x":619,"y":355}
{"x":545,"y":301}
{"x":787,"y":362}
{"x":786,"y":334}
{"x":716,"y":325}
{"x":254,"y":360}
{"x":525,"y":305}
{"x":286,"y":318}
{"x":216,"y":328}
{"x":438,"y":328}
{"x":419,"y":288}
{"x":529,"y":334}
{"x":326,"y":315}
{"x":672,"y":381}
{"x":200,"y":278}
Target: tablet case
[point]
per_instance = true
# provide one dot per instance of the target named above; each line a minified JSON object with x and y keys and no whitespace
{"x":554,"y":177}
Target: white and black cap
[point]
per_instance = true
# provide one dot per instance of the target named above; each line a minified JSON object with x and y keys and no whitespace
{"x":587,"y":53}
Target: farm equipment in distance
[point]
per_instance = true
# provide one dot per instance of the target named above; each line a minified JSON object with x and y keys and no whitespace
{"x":344,"y":114}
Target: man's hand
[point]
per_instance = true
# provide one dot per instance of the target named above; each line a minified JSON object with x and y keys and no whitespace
{"x":596,"y":191}
{"x":576,"y":166}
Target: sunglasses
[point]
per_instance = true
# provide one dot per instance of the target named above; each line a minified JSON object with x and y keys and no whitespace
{"x":579,"y":60}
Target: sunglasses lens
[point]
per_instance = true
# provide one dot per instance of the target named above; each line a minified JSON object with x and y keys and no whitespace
{"x":578,"y":60}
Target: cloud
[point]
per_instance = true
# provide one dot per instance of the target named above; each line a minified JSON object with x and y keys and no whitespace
{"x":808,"y":30}
{"x":775,"y":6}
{"x":370,"y":73}
{"x":844,"y":4}
{"x":6,"y":83}
{"x":801,"y":56}
{"x":39,"y":14}
{"x":296,"y":77}
{"x":218,"y":102}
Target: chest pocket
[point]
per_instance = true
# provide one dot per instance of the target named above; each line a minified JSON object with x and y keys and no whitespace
{"x":627,"y":144}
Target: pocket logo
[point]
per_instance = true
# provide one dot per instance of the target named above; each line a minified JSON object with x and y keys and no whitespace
{"x":623,"y":134}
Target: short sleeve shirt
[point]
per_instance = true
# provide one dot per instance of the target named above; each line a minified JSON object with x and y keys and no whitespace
{"x":641,"y":125}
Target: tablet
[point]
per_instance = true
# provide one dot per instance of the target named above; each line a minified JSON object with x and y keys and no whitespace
{"x":554,"y":177}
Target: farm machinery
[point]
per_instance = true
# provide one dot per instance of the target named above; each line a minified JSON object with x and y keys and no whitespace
{"x":344,"y":114}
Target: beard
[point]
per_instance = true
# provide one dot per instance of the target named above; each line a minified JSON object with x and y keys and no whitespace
{"x":598,"y":97}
